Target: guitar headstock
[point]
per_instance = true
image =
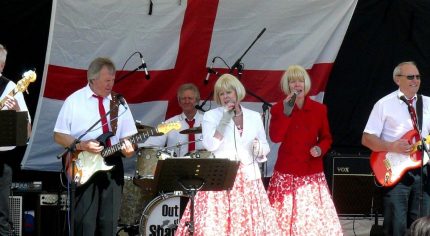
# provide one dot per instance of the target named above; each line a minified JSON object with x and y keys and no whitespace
{"x":167,"y":127}
{"x":27,"y":78}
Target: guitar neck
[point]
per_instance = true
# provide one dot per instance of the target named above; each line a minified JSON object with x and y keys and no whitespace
{"x":140,"y":137}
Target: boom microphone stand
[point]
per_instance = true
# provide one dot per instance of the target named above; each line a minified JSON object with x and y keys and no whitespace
{"x":238,"y":64}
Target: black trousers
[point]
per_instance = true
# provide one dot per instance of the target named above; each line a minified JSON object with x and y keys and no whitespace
{"x":401,"y":202}
{"x":5,"y":183}
{"x":97,"y":203}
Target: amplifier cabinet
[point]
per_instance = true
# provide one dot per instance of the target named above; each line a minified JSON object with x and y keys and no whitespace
{"x":353,"y":186}
{"x":15,"y":215}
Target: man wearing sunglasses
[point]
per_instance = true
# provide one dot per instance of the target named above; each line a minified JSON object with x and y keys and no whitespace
{"x":395,"y":124}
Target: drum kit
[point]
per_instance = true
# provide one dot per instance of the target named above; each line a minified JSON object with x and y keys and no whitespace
{"x":143,"y":211}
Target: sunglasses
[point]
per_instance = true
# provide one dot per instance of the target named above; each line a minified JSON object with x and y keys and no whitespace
{"x":411,"y":77}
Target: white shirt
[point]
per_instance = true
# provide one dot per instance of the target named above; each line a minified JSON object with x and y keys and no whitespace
{"x":233,"y":145}
{"x":21,"y":102}
{"x":390,"y":118}
{"x":80,"y":111}
{"x":174,"y":140}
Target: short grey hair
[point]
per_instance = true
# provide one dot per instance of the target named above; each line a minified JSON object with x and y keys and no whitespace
{"x":97,"y":65}
{"x":398,"y":69}
{"x":189,"y":86}
{"x":3,"y":54}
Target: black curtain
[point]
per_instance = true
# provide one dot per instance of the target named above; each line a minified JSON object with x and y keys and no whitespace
{"x":382,"y":33}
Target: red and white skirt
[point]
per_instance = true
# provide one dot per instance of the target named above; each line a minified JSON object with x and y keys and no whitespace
{"x":244,"y":210}
{"x":303,"y":205}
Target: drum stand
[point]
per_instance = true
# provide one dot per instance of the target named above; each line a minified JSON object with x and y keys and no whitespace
{"x":192,"y":175}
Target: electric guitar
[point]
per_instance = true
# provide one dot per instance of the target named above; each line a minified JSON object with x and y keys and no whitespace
{"x":21,"y":86}
{"x":88,"y":163}
{"x":389,"y":167}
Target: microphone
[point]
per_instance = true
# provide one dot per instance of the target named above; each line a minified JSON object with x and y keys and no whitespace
{"x":292,"y":99}
{"x":288,"y":107}
{"x":200,"y":108}
{"x":121,"y":100}
{"x":210,"y":71}
{"x":147,"y":76}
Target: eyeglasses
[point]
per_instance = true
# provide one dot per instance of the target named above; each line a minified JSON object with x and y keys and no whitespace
{"x":411,"y":77}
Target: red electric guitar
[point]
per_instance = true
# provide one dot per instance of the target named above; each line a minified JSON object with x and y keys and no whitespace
{"x":389,"y":167}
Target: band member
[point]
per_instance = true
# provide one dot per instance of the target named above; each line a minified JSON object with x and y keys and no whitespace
{"x":236,"y":133}
{"x":388,"y":122}
{"x":298,"y":189}
{"x":97,"y":201}
{"x":16,"y":103}
{"x":188,"y":97}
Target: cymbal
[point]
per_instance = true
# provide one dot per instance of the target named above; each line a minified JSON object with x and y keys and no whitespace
{"x":194,"y":130}
{"x":142,"y":126}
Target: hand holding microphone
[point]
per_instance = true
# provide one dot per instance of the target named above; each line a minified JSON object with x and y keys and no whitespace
{"x":289,"y":103}
{"x":226,"y":117}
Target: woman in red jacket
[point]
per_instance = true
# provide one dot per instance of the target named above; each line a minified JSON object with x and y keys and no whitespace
{"x":298,"y":189}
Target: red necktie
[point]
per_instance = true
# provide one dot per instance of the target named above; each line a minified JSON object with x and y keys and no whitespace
{"x":413,"y":113}
{"x":102,"y":113}
{"x":191,"y":144}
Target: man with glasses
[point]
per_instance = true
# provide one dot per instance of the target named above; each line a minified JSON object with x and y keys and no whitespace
{"x":392,"y":117}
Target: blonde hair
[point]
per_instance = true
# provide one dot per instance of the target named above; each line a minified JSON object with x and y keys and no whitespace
{"x":294,"y":73}
{"x":228,"y":82}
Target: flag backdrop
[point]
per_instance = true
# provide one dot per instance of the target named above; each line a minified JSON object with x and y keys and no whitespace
{"x":178,"y":40}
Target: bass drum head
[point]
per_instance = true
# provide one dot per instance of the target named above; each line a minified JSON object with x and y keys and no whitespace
{"x":161,"y":216}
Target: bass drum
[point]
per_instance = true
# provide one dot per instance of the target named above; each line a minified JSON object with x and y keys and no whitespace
{"x":161,"y":216}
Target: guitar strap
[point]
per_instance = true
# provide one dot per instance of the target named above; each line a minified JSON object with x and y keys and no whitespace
{"x":420,"y":111}
{"x":114,"y":107}
{"x":3,"y":82}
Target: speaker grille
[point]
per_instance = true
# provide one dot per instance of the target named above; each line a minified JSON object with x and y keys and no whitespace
{"x":15,"y":215}
{"x":353,"y":186}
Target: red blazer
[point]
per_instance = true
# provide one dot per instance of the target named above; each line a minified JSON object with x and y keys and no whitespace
{"x":304,"y":129}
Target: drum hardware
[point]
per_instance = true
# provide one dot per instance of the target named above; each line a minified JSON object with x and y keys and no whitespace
{"x":141,"y":128}
{"x":193,"y":130}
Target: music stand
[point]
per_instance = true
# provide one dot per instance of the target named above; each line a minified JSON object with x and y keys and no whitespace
{"x":13,"y":131}
{"x":192,"y":175}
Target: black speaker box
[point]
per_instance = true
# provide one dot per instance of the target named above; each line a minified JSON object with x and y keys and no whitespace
{"x":51,"y":215}
{"x":353,"y":186}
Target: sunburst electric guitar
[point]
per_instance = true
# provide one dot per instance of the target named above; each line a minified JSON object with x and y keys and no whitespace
{"x":27,"y":78}
{"x":389,"y":167}
{"x":88,"y":163}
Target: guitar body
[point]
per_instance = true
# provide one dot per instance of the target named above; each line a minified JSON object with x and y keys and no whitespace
{"x":87,"y":163}
{"x":389,"y":167}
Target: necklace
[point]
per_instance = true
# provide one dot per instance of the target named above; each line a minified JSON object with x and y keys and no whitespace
{"x":236,"y":115}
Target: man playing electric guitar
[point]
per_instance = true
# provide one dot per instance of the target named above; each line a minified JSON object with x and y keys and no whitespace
{"x":387,"y":131}
{"x":97,"y":202}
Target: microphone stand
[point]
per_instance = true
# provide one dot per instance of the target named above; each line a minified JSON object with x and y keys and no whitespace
{"x":129,"y":73}
{"x":237,"y":64}
{"x":423,"y":149}
{"x":69,"y":150}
